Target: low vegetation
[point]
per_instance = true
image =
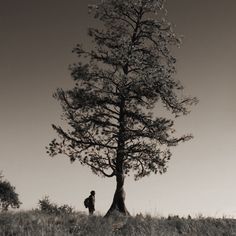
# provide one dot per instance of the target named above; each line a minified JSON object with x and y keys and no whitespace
{"x":37,"y":222}
{"x":8,"y":196}
{"x":46,"y":206}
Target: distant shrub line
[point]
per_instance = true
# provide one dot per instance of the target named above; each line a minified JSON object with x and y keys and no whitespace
{"x":46,"y":206}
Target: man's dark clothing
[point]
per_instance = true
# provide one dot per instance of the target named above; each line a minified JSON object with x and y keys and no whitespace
{"x":91,"y":205}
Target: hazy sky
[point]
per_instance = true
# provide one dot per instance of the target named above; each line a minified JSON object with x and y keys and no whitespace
{"x":36,"y":39}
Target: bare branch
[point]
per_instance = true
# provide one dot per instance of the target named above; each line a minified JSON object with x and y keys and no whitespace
{"x":101,"y":170}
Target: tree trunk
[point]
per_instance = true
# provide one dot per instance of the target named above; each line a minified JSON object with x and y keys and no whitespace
{"x":118,"y":204}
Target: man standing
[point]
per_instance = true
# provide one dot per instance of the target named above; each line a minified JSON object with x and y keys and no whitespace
{"x":90,"y":203}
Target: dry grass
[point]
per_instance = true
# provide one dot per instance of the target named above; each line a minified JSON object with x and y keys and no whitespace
{"x":35,"y":223}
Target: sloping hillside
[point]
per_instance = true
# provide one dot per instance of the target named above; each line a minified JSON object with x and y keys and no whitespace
{"x":38,"y":223}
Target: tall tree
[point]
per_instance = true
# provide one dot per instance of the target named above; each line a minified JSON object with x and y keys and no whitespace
{"x":117,"y":85}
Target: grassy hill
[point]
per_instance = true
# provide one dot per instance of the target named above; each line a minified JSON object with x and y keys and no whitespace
{"x":35,"y":223}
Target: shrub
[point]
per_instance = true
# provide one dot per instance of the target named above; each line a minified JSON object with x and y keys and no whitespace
{"x":51,"y":208}
{"x":8,"y":196}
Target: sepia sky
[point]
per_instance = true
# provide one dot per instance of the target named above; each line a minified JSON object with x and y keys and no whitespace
{"x":36,"y":39}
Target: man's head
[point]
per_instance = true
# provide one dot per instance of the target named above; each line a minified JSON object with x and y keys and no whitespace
{"x":92,"y":193}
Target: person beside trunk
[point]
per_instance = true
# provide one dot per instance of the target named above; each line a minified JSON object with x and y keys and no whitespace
{"x":89,"y":202}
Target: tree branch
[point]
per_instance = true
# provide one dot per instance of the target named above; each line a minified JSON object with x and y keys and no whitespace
{"x":101,"y":171}
{"x":93,"y":143}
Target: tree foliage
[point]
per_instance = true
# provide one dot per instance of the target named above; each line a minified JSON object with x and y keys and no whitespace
{"x":8,"y":196}
{"x":130,"y":69}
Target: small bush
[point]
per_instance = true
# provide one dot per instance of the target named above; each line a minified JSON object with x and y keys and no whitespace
{"x":8,"y":196}
{"x":51,"y":208}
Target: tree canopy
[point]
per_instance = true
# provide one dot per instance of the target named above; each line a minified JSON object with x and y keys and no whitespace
{"x":8,"y":196}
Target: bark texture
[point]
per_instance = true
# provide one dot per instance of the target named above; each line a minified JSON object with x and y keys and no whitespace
{"x":118,"y":203}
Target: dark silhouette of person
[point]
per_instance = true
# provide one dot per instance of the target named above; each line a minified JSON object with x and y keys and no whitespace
{"x":91,"y":202}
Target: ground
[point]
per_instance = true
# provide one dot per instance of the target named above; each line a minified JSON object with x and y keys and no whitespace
{"x":38,"y":223}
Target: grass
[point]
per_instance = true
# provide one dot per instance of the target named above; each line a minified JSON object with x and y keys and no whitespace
{"x":35,"y":223}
